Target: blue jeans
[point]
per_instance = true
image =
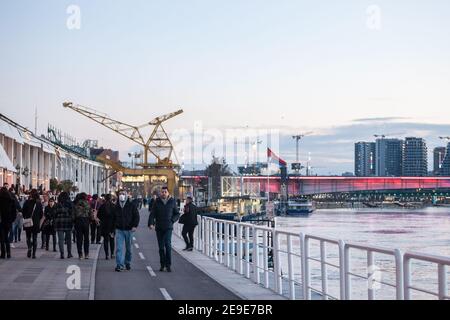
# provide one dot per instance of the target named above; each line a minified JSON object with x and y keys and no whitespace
{"x":121,"y":237}
{"x":165,"y":247}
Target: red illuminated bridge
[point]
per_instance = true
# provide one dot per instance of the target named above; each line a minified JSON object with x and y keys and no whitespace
{"x":324,"y":185}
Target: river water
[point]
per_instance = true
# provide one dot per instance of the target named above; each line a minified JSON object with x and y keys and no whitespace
{"x":422,"y":230}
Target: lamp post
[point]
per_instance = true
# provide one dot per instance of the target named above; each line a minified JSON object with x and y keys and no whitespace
{"x":17,"y":178}
{"x":25,"y":173}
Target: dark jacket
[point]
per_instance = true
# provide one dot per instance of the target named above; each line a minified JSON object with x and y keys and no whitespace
{"x":27,"y":212}
{"x":190,"y":215}
{"x":7,"y":211}
{"x":163,"y":216}
{"x":64,"y":216}
{"x":106,"y":216}
{"x":49,"y":220}
{"x":126,"y":218}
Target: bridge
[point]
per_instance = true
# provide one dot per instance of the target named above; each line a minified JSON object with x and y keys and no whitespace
{"x":302,"y":185}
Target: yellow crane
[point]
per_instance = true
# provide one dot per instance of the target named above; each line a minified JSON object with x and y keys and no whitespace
{"x":157,"y":144}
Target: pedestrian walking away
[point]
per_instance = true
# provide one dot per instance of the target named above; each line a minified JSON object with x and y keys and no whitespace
{"x":82,"y":218}
{"x":95,"y":225}
{"x":106,"y":218}
{"x":48,"y":227}
{"x":126,"y":221}
{"x":163,"y":214}
{"x":189,"y":222}
{"x":64,"y":218}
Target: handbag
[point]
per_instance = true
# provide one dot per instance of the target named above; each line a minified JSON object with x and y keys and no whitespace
{"x":183,"y":219}
{"x":28,"y":223}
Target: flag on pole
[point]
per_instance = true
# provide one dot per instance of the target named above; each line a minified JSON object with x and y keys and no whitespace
{"x":273,"y":157}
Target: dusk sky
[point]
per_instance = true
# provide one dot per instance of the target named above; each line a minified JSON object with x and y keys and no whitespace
{"x":297,"y":66}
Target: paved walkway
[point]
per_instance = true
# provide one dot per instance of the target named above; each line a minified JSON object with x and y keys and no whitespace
{"x":44,"y":278}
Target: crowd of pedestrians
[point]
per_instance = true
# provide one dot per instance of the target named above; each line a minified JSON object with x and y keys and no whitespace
{"x":64,"y":220}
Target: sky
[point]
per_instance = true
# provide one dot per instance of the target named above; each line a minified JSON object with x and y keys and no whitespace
{"x":295,"y":66}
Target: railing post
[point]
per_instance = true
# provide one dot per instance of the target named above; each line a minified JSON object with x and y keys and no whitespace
{"x":290,"y":268}
{"x":399,"y":277}
{"x":305,"y":264}
{"x":442,"y":278}
{"x":255,"y":255}
{"x":247,"y":251}
{"x":348,"y":291}
{"x":227,"y":244}
{"x":407,"y":278}
{"x":266,"y":258}
{"x":204,"y":236}
{"x":277,"y":263}
{"x":221,"y":248}
{"x":342,"y":268}
{"x":370,"y":274}
{"x":239,"y":248}
{"x":214,"y":233}
{"x":323,"y":257}
{"x":233,"y":248}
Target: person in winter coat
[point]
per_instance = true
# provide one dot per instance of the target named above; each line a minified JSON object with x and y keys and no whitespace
{"x":189,"y":221}
{"x":7,"y":217}
{"x":63,"y":222}
{"x":106,"y":217}
{"x":95,"y":226}
{"x":32,"y":209}
{"x":126,"y":221}
{"x":164,"y":213}
{"x":48,"y":227}
{"x":82,"y":217}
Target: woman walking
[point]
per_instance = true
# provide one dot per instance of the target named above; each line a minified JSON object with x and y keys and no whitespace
{"x":82,"y":216}
{"x":7,"y":217}
{"x":106,"y":217}
{"x":63,"y":221}
{"x":32,"y":215}
{"x":48,"y":227}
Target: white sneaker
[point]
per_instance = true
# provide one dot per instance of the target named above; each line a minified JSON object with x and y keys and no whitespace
{"x":13,"y":246}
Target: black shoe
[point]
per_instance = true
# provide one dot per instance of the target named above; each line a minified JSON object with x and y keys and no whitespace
{"x":69,"y":256}
{"x":34,"y":256}
{"x":107,"y":258}
{"x":186,"y":249}
{"x":2,"y":256}
{"x":168,"y":269}
{"x":190,"y":249}
{"x":128,"y":267}
{"x":162,"y":269}
{"x":118,"y":269}
{"x":86,"y":257}
{"x":8,"y":256}
{"x":62,"y":256}
{"x":29,"y":253}
{"x":54,"y":250}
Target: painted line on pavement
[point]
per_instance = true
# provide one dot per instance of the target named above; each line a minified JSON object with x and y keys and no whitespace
{"x":150,"y":270}
{"x":165,"y":294}
{"x":134,"y":239}
{"x":93,"y":273}
{"x":141,"y":255}
{"x":136,"y":245}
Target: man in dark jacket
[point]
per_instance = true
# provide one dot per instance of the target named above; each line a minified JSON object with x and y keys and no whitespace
{"x":126,"y":221}
{"x":7,"y":217}
{"x":164,"y":214}
{"x":106,"y":218}
{"x":189,"y":221}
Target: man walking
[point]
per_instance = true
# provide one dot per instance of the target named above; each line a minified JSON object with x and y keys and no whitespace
{"x":189,"y":221}
{"x":163,"y":214}
{"x":126,"y":221}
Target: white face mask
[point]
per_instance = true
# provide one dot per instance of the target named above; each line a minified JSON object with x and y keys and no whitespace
{"x":122,"y":198}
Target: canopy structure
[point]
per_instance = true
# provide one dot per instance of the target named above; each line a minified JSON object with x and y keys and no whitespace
{"x":5,"y":163}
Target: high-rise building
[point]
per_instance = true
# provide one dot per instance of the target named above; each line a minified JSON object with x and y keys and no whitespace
{"x":364,"y":159}
{"x":438,"y":159}
{"x":415,"y":158}
{"x":389,"y":157}
{"x":445,"y":168}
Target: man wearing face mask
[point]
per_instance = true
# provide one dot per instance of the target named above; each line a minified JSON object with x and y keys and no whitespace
{"x":126,"y":221}
{"x":164,"y":213}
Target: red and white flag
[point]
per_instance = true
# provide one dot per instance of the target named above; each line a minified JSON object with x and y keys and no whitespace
{"x":273,"y":157}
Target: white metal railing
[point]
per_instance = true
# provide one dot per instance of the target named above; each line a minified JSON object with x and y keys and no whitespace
{"x":248,"y":250}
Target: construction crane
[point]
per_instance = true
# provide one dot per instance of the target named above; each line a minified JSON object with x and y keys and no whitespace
{"x":382,"y":136}
{"x":158,"y":143}
{"x":298,"y":138}
{"x":445,"y":138}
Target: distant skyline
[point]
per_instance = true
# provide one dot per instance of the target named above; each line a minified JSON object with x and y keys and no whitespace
{"x":293,"y":65}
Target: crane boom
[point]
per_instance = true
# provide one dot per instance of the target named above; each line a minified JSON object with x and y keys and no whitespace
{"x":158,"y":144}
